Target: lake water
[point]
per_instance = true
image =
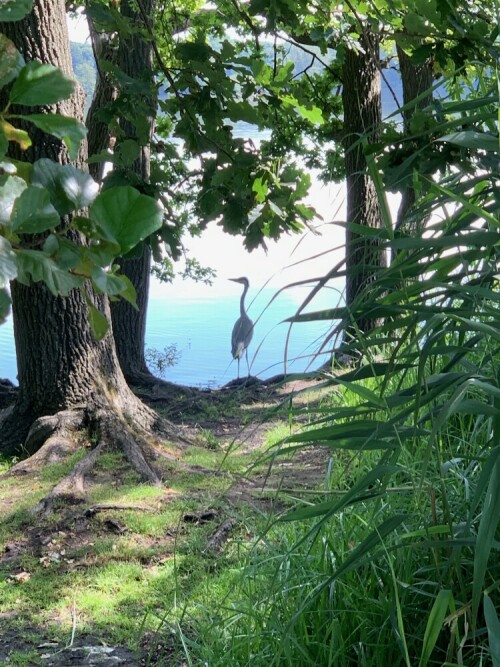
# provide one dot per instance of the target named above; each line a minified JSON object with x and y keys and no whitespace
{"x":200,"y":328}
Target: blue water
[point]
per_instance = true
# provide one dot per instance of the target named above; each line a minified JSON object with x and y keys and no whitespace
{"x":200,"y":329}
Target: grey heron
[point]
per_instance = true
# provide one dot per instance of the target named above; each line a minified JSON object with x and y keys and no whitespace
{"x":243,"y":327}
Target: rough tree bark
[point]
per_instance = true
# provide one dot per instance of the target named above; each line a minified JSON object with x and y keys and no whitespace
{"x":134,"y":56}
{"x":416,"y":80}
{"x":361,"y":98}
{"x":66,"y":379}
{"x":98,"y":133}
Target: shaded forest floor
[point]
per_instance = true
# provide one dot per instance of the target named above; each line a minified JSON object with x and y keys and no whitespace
{"x":105,"y":582}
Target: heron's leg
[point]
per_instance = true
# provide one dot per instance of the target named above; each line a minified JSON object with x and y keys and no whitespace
{"x":238,"y":360}
{"x":248,"y":365}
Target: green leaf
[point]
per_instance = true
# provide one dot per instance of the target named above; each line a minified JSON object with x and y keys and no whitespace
{"x":51,"y":245}
{"x":125,"y":216}
{"x":4,"y":303}
{"x":35,"y":265}
{"x":128,"y":292}
{"x":11,"y":61}
{"x":33,"y":213}
{"x":98,"y":323}
{"x":276,"y":209}
{"x":103,"y":156}
{"x":128,"y":150}
{"x":8,"y":262}
{"x":39,"y":84}
{"x":65,"y":128}
{"x":107,"y":282}
{"x":307,"y":212}
{"x":109,"y":19}
{"x":259,"y":186}
{"x":70,"y":188}
{"x":434,"y":625}
{"x":11,"y":188}
{"x":243,"y":111}
{"x":102,"y":253}
{"x":473,"y":139}
{"x":312,"y":114}
{"x":12,"y":133}
{"x":493,"y":625}
{"x":68,"y":255}
{"x":14,"y":10}
{"x":374,"y":538}
{"x":197,"y":51}
{"x":490,"y":518}
{"x":363,"y":392}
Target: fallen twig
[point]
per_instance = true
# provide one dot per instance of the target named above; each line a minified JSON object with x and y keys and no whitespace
{"x":104,"y":508}
{"x":221,"y":535}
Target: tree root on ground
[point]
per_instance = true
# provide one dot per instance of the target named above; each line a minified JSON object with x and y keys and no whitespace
{"x":61,"y":434}
{"x":91,"y":511}
{"x":148,"y":386}
{"x":220,"y":537}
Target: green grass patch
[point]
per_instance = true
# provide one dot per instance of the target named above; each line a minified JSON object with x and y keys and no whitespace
{"x":52,"y":472}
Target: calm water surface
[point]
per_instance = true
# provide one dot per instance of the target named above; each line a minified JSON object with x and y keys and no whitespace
{"x":200,"y":328}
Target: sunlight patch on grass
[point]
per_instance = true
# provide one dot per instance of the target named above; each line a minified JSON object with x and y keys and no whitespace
{"x":125,"y":494}
{"x":53,"y":472}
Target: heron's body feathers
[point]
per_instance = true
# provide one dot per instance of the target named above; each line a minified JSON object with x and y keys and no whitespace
{"x":241,"y":336}
{"x":243,"y":328}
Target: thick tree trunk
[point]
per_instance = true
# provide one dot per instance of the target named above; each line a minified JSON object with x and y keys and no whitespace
{"x":135,"y":58}
{"x":129,"y":325}
{"x":361,"y":97}
{"x":416,"y":80}
{"x":61,"y":366}
{"x":98,"y":134}
{"x":59,"y":362}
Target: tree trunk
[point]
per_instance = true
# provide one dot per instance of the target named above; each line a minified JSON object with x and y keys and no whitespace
{"x":135,"y":58}
{"x":98,"y":134}
{"x":361,"y":97}
{"x":129,"y":324}
{"x":416,"y":80}
{"x":61,"y":366}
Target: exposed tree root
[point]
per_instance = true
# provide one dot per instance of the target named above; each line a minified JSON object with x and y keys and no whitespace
{"x":114,"y":431}
{"x":71,"y":488}
{"x":91,"y":511}
{"x":220,"y":536}
{"x":147,"y":385}
{"x":56,"y":436}
{"x":51,"y":438}
{"x":7,"y":393}
{"x":53,"y":428}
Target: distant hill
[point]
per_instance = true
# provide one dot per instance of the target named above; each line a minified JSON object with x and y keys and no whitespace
{"x":84,"y":68}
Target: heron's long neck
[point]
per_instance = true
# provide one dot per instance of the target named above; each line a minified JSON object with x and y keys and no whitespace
{"x":242,"y":300}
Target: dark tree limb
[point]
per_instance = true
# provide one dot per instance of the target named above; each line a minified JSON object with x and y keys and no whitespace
{"x":362,"y":102}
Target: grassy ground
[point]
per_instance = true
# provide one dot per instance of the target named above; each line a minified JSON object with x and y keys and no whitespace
{"x":110,"y":580}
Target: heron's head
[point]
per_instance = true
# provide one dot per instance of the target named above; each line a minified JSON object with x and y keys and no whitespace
{"x":242,"y":281}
